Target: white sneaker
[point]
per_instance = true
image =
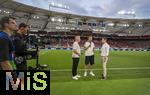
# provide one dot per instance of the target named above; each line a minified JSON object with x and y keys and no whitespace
{"x":75,"y":78}
{"x":85,"y":74}
{"x":92,"y":74}
{"x":78,"y":76}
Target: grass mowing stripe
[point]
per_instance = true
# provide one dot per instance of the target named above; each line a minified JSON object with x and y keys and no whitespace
{"x":59,"y":70}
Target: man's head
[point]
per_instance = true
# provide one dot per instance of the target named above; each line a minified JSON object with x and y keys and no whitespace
{"x":104,"y":40}
{"x":23,"y":28}
{"x":77,"y":38}
{"x":90,"y":38}
{"x":8,"y":24}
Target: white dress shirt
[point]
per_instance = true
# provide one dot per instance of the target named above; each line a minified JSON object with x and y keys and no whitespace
{"x":105,"y":49}
{"x":77,"y":48}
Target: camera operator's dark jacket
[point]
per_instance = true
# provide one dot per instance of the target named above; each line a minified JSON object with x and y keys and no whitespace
{"x":20,"y":51}
{"x":20,"y":46}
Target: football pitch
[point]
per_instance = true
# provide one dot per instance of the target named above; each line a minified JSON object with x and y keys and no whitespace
{"x":128,"y":73}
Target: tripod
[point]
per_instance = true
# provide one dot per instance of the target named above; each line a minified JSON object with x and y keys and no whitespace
{"x":38,"y":66}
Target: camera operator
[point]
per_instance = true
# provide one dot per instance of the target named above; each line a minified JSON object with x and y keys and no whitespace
{"x":20,"y":46}
{"x":19,"y":42}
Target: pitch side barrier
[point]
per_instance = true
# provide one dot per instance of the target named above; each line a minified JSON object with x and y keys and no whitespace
{"x":112,"y":49}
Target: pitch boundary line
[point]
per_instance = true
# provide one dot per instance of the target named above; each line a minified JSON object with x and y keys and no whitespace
{"x":66,"y":70}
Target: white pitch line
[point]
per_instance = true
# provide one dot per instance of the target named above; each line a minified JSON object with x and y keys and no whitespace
{"x":66,"y":70}
{"x":44,"y":52}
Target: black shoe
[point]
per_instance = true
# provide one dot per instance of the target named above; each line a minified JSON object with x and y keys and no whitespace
{"x":103,"y":78}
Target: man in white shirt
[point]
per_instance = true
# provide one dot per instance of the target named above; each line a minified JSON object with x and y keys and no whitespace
{"x":104,"y":56}
{"x":76,"y":56}
{"x":89,"y":56}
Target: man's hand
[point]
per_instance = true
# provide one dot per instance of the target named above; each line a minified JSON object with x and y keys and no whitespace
{"x":79,"y":54}
{"x":76,"y":52}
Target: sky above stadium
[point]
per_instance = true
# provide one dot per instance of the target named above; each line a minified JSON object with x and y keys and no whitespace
{"x":99,"y":8}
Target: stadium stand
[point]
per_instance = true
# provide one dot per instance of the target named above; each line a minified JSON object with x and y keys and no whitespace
{"x":55,"y":29}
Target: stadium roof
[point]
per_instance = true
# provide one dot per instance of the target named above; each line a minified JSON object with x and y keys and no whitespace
{"x":100,"y":8}
{"x":15,"y":6}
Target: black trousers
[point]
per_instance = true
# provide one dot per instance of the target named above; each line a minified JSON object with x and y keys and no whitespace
{"x":21,"y":63}
{"x":75,"y":66}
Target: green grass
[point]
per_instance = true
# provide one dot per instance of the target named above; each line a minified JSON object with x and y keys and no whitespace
{"x":99,"y":87}
{"x":119,"y":82}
